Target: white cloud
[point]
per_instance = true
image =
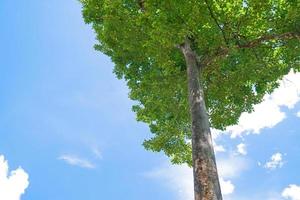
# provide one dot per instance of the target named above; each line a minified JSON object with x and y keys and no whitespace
{"x":96,"y":151}
{"x":275,"y":162}
{"x":268,"y":113}
{"x":76,"y":161}
{"x":215,"y":134}
{"x":232,"y":166}
{"x":179,"y":178}
{"x":241,"y":149}
{"x":288,"y":94}
{"x":298,"y":114}
{"x":218,"y":148}
{"x":226,"y":186}
{"x":260,"y":118}
{"x":292,"y":192}
{"x":13,"y":184}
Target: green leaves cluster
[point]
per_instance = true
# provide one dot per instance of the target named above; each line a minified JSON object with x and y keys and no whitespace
{"x":142,"y":38}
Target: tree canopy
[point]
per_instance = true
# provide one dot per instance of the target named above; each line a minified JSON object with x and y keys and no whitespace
{"x":243,"y":46}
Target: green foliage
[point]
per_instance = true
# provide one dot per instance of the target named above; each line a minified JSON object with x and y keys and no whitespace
{"x":240,"y":45}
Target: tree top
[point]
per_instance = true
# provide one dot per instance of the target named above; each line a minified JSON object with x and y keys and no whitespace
{"x":243,"y":48}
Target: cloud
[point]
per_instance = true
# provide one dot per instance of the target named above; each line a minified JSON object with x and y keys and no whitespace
{"x":226,"y":186}
{"x":260,"y":118}
{"x":96,"y":151}
{"x":215,"y":133}
{"x":292,"y":192}
{"x":241,"y":149}
{"x":232,"y":166}
{"x":289,"y":89}
{"x":179,"y":178}
{"x":275,"y":162}
{"x":76,"y":161}
{"x":298,"y":114}
{"x":218,"y":148}
{"x":13,"y":184}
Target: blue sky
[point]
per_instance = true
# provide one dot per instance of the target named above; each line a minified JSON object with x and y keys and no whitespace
{"x":67,"y":121}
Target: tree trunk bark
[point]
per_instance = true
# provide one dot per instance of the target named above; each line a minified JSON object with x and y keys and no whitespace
{"x":206,"y":181}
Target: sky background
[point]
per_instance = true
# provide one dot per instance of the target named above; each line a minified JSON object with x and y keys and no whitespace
{"x":67,"y":130}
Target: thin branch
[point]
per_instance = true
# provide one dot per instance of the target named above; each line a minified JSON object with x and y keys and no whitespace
{"x":216,"y":21}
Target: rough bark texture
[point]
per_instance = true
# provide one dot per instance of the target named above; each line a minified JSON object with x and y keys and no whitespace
{"x":206,"y":181}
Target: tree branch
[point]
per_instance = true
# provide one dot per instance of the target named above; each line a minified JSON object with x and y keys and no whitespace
{"x":216,"y":21}
{"x":266,"y":38}
{"x":224,"y":51}
{"x":220,"y":52}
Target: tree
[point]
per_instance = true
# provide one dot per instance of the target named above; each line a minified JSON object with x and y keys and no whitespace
{"x":233,"y":51}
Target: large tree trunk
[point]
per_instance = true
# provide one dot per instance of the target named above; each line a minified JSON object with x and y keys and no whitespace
{"x":206,"y":181}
